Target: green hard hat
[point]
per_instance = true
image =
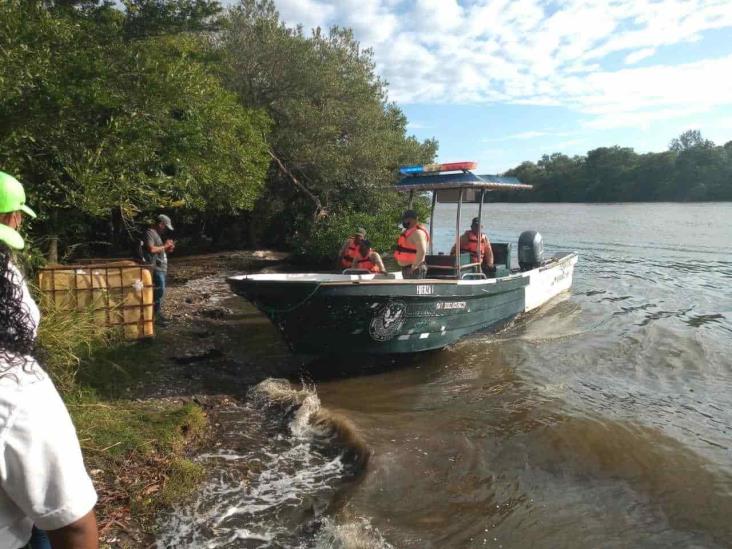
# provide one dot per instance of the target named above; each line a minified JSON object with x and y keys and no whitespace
{"x":11,"y":237}
{"x":12,"y":195}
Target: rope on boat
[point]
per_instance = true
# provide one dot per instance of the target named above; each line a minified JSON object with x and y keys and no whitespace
{"x":290,"y":309}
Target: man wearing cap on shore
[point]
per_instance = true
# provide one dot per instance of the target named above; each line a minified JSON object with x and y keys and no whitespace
{"x":412,"y":247}
{"x":156,"y":256}
{"x":349,"y":250}
{"x":469,"y":244}
{"x":43,"y":481}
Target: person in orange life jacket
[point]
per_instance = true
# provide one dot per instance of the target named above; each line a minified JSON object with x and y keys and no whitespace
{"x":350,"y":248}
{"x":412,"y":247}
{"x":366,"y":258}
{"x":469,"y":244}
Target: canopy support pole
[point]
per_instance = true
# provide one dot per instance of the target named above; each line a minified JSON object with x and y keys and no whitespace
{"x":411,"y":199}
{"x":432,"y":220}
{"x":480,"y":230}
{"x":457,"y":234}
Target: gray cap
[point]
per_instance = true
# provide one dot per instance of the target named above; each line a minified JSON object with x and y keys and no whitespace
{"x":361,"y":232}
{"x":165,"y":220}
{"x":475,"y":221}
{"x":409,"y":214}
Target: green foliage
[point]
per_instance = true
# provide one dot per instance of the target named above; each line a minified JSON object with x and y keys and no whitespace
{"x":184,"y":476}
{"x":65,"y":339}
{"x":96,"y":116}
{"x":173,"y":137}
{"x":122,"y":428}
{"x":139,"y":446}
{"x":333,"y":128}
{"x":690,"y":139}
{"x":321,"y":241}
{"x":693,"y":169}
{"x":151,"y":17}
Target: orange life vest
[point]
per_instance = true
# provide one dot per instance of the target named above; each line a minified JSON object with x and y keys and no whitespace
{"x":364,"y":262}
{"x":350,"y":253}
{"x":472,"y":246}
{"x":405,"y":252}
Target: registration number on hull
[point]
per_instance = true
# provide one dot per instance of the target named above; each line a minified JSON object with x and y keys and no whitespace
{"x":425,"y":289}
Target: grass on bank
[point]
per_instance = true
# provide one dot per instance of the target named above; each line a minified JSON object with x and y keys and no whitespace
{"x":135,"y":450}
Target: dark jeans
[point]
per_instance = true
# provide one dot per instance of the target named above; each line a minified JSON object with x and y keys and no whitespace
{"x":39,"y":540}
{"x":419,"y":272}
{"x":158,"y":289}
{"x":489,"y":272}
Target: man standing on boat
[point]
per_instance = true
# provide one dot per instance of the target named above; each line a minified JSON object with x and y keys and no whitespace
{"x":367,"y":259}
{"x":350,"y":248}
{"x":469,"y":244}
{"x":412,"y":247}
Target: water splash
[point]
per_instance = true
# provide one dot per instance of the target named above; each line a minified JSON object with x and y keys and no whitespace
{"x":282,"y":464}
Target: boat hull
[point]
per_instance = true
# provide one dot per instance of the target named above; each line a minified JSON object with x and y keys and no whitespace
{"x":363,"y":314}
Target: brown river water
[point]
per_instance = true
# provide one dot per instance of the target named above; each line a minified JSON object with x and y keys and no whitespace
{"x":602,"y":420}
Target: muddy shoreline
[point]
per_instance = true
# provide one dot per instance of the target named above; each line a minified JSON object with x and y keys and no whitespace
{"x":199,"y":357}
{"x":196,"y":353}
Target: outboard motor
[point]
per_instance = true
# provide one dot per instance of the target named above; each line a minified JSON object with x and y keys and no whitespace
{"x":530,"y":250}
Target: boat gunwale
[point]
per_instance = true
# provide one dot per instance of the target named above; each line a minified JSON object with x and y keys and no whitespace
{"x":370,"y":279}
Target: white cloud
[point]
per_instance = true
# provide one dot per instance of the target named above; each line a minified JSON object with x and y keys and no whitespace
{"x":308,"y":13}
{"x":522,"y":136}
{"x":518,"y":51}
{"x":639,"y":55}
{"x":411,"y":125}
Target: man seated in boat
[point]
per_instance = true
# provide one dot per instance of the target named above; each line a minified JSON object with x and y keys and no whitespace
{"x":367,"y":259}
{"x":412,"y":247}
{"x":350,"y":248}
{"x":469,"y":244}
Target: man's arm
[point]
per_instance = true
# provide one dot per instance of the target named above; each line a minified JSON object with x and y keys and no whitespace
{"x":150,"y":246}
{"x":488,"y":259}
{"x":463,"y":243}
{"x":342,"y":253}
{"x":81,"y":534}
{"x":376,"y":258}
{"x":420,"y":242}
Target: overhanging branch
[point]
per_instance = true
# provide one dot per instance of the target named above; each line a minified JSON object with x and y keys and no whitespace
{"x":319,"y":210}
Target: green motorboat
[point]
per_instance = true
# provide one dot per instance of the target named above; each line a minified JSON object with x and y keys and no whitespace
{"x":359,"y":312}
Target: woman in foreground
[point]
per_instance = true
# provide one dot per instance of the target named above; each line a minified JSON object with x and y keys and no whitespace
{"x":43,"y":482}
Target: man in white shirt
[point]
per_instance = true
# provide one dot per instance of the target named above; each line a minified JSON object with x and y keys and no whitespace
{"x":43,"y":480}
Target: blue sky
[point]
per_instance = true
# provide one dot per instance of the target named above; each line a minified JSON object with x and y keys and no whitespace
{"x":503,"y":81}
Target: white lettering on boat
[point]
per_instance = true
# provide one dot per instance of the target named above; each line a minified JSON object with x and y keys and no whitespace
{"x":425,"y":289}
{"x":447,"y":305}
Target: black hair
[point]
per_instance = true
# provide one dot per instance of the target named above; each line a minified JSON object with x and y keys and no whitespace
{"x":364,"y":242}
{"x":17,"y":338}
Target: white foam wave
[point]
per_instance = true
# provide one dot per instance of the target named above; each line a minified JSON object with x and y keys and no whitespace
{"x":262,"y":495}
{"x":300,"y":426}
{"x":355,"y":534}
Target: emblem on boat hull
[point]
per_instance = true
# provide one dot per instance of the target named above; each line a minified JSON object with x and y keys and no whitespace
{"x":387,"y":320}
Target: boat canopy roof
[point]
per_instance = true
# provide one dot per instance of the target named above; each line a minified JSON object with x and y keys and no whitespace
{"x":434,"y":179}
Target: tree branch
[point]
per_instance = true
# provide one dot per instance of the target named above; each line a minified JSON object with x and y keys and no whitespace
{"x":320,"y":211}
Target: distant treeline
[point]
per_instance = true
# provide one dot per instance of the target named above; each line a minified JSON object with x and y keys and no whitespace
{"x":245,"y":131}
{"x":693,"y":169}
